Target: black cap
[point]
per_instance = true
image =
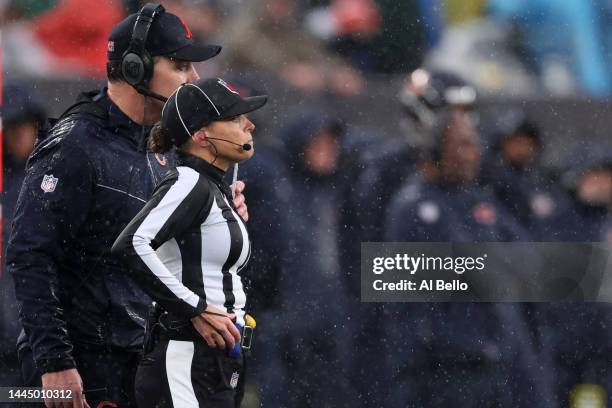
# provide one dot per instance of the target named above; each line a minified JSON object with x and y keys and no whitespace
{"x":168,"y":36}
{"x":195,"y":105}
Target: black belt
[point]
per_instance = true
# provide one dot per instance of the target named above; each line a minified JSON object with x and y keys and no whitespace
{"x":173,"y":328}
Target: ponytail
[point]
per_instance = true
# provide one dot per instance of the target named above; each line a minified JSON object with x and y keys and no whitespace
{"x":159,"y":142}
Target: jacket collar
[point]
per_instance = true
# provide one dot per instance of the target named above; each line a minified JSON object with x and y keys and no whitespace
{"x":201,"y":166}
{"x":119,"y":120}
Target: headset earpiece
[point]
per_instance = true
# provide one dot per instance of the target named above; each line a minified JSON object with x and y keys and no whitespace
{"x":133,"y":69}
{"x":136,"y":62}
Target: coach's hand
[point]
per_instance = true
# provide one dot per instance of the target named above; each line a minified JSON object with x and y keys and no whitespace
{"x":218,"y":328}
{"x":239,"y":201}
{"x":65,"y":380}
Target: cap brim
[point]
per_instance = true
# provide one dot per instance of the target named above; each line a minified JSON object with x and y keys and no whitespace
{"x":195,"y":52}
{"x":246,"y":105}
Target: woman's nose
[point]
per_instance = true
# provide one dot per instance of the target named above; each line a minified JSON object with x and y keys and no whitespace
{"x":193,"y":74}
{"x":250,"y":126}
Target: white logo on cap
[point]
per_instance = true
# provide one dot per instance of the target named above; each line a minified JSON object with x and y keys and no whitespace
{"x":224,"y":84}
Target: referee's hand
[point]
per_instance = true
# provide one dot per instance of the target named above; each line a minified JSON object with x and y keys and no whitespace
{"x":239,"y":200}
{"x":218,"y":328}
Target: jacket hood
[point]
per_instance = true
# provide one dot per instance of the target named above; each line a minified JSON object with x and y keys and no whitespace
{"x":303,"y":127}
{"x":586,"y":156}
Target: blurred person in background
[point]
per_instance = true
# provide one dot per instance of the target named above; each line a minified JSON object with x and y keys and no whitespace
{"x":83,"y":317}
{"x":576,"y":336}
{"x":308,"y":340}
{"x":512,"y":169}
{"x":201,"y":16}
{"x":443,"y":202}
{"x":350,"y":28}
{"x":588,"y":180}
{"x":450,"y":354}
{"x":22,"y":114}
{"x":564,"y":42}
{"x":266,"y":35}
{"x":67,"y":39}
{"x":377,"y":170}
{"x":383,"y":166}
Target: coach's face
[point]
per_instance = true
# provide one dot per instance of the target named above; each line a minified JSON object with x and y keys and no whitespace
{"x":169,"y":74}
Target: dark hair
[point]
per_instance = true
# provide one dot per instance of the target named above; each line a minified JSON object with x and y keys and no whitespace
{"x":113,"y":71}
{"x":159,"y":142}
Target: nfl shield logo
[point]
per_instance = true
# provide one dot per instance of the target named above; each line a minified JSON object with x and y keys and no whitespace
{"x":49,"y":183}
{"x":234,"y":379}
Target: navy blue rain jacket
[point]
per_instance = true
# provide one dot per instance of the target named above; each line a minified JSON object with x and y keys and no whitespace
{"x":423,"y":211}
{"x":84,"y":182}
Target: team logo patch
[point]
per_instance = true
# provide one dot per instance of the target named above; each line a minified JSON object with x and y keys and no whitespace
{"x":234,"y":380}
{"x":542,"y":205}
{"x":428,"y":212}
{"x":484,"y":213}
{"x":161,"y":159}
{"x":49,"y":183}
{"x":188,"y":33}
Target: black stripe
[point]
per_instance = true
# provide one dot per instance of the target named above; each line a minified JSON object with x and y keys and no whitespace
{"x":204,"y":373}
{"x":196,"y":205}
{"x":190,"y":245}
{"x":246,"y":260}
{"x":140,"y":272}
{"x":151,"y":383}
{"x":236,"y":242}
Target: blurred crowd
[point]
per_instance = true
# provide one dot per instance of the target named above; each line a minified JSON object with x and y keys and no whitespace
{"x":514,"y":47}
{"x":320,"y":186}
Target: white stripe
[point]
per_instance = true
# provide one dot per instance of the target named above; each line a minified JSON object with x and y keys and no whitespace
{"x":245,"y":252}
{"x":179,"y":357}
{"x":121,"y":191}
{"x":154,"y":222}
{"x":179,"y":112}
{"x":216,"y":243}
{"x":209,"y":100}
{"x":170,"y":254}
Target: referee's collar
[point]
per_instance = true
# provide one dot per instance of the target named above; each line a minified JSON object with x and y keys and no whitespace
{"x":199,"y":165}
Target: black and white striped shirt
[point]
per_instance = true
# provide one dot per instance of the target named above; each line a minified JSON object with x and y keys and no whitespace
{"x":187,"y":246}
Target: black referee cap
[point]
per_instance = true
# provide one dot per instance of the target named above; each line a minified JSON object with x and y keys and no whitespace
{"x":168,"y":36}
{"x":195,"y":105}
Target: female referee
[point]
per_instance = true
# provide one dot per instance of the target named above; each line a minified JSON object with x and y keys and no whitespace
{"x":186,"y":249}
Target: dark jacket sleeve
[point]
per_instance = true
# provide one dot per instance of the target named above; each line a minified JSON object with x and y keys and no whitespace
{"x":180,"y":201}
{"x":52,"y":204}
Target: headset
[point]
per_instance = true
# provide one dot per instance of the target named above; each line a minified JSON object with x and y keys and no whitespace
{"x":136,"y":61}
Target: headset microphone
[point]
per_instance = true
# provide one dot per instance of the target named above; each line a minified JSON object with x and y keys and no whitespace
{"x":146,"y":92}
{"x":246,"y":147}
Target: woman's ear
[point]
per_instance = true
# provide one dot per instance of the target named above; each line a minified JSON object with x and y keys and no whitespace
{"x":200,"y":137}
